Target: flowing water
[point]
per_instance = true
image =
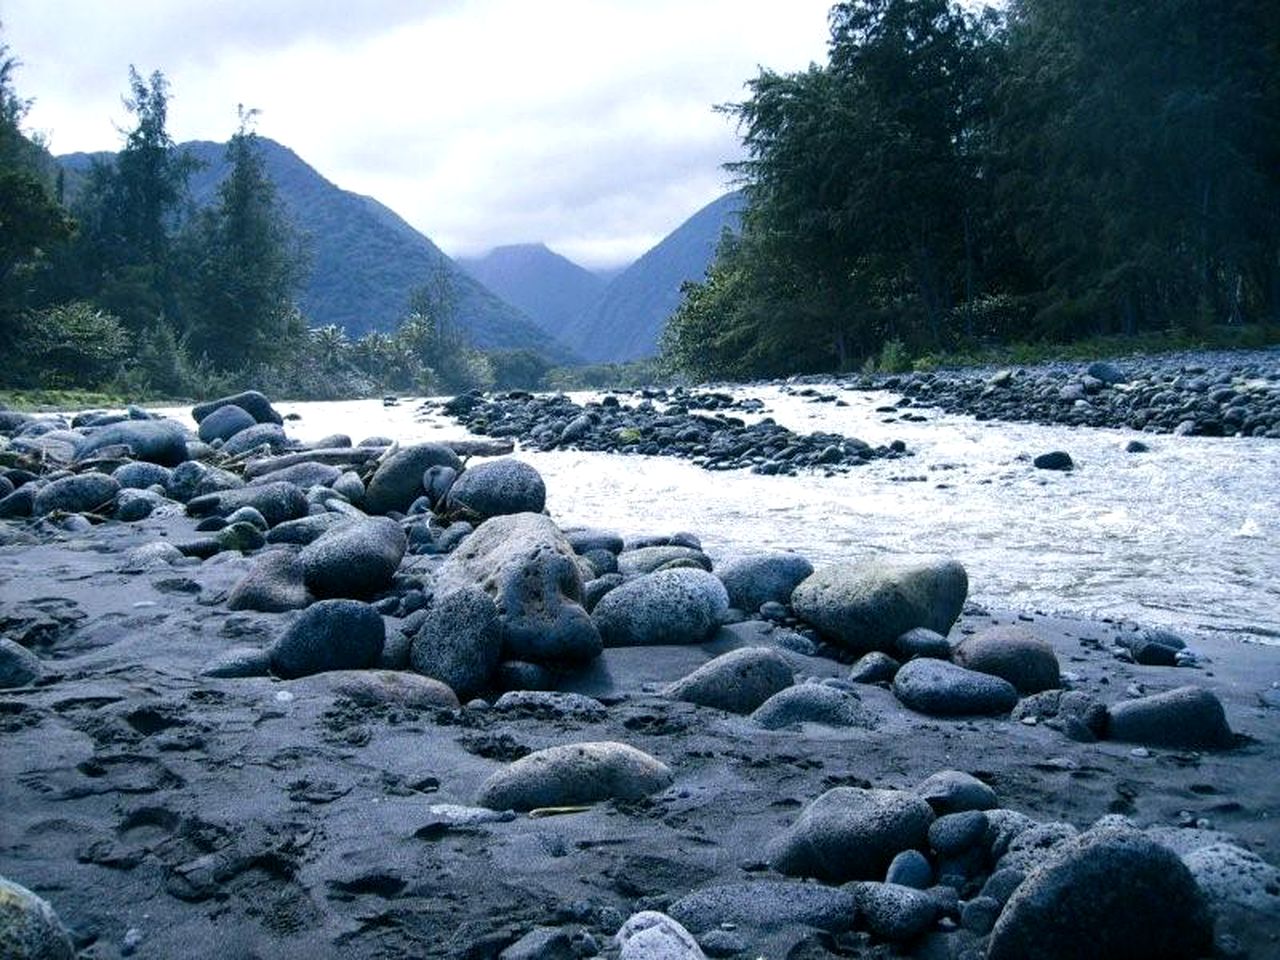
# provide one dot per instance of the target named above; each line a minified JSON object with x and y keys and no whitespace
{"x":1185,"y":536}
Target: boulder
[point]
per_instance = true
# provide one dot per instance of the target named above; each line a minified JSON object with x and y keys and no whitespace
{"x":953,"y":791}
{"x":1186,"y":718}
{"x":29,"y":928}
{"x":575,"y":773}
{"x":584,"y":539}
{"x":495,"y":488}
{"x":250,"y":401}
{"x":668,"y":607}
{"x":134,"y":505}
{"x":195,"y":479}
{"x":765,"y":905}
{"x":1014,"y":653}
{"x":867,"y":606}
{"x":139,"y":474}
{"x":1235,"y":878}
{"x":224,"y":423}
{"x":922,"y":642}
{"x":398,"y":480}
{"x":374,"y":688}
{"x":260,"y":434}
{"x":80,"y":493}
{"x":942,"y":689}
{"x":306,"y":529}
{"x":874,"y":667}
{"x":852,"y":834}
{"x":758,"y":579}
{"x":632,"y":563}
{"x":329,"y":635}
{"x":1106,"y":893}
{"x":894,"y":912}
{"x":460,"y":641}
{"x":737,"y":682}
{"x":277,"y":502}
{"x":655,"y":936}
{"x":1055,"y":460}
{"x":529,"y":570}
{"x":305,"y":475}
{"x":812,"y":703}
{"x":18,"y":665}
{"x":155,"y":441}
{"x":273,"y":584}
{"x":354,"y":560}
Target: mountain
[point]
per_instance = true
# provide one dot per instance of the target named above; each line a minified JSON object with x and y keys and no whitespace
{"x":629,"y":318}
{"x":365,"y":259}
{"x":553,"y":291}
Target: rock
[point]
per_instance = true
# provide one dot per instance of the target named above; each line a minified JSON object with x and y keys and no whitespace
{"x":29,"y":928}
{"x":244,"y":537}
{"x":351,"y":487}
{"x":225,"y":422}
{"x":668,"y":607}
{"x":1029,"y":846}
{"x":306,"y":475}
{"x":306,"y":529}
{"x":1057,"y":460}
{"x":329,"y":635}
{"x":910,"y":868}
{"x":655,"y":936}
{"x":277,"y":502}
{"x":954,"y":833}
{"x":1107,"y":893}
{"x":551,"y":705}
{"x":1076,"y":713}
{"x":1232,"y":877}
{"x":765,"y":905}
{"x":1108,"y":373}
{"x":979,"y":915}
{"x":1014,"y":653}
{"x":20,"y":503}
{"x":594,"y":590}
{"x":18,"y":665}
{"x":738,"y":681}
{"x":752,"y":581}
{"x":585,"y":539}
{"x":150,"y":555}
{"x":138,"y":475}
{"x":460,"y":641}
{"x":135,"y":505}
{"x":868,"y":606}
{"x":1136,"y":446}
{"x":922,"y":642}
{"x":529,"y":570}
{"x":398,"y":480}
{"x":632,"y":563}
{"x":156,"y":441}
{"x":242,"y":661}
{"x":251,"y":401}
{"x":373,"y":687}
{"x":852,"y":834}
{"x":80,"y":493}
{"x":495,"y":488}
{"x":575,"y":773}
{"x":251,"y":438}
{"x":942,"y":689}
{"x":273,"y":584}
{"x":194,"y":479}
{"x":952,"y":791}
{"x":1186,"y":718}
{"x":895,"y":913}
{"x":354,"y":560}
{"x":874,"y":667}
{"x":541,"y":943}
{"x":812,"y":703}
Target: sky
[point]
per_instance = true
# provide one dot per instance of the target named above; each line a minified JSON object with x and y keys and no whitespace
{"x":584,"y":124}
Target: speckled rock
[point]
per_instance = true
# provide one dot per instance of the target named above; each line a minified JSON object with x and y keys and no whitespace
{"x":575,"y":773}
{"x":29,"y":928}
{"x":738,"y":681}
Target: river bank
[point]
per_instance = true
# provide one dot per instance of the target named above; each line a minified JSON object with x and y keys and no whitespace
{"x":169,"y":796}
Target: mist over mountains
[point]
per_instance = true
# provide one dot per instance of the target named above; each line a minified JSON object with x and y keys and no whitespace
{"x":365,"y":261}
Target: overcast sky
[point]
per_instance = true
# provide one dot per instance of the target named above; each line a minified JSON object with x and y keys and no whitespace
{"x":586,"y":124}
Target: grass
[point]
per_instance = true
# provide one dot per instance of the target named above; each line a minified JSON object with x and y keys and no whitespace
{"x":61,"y":399}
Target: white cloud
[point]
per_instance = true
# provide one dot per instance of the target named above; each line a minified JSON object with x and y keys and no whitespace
{"x":584,"y":124}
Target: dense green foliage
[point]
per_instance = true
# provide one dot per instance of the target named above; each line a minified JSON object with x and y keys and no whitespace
{"x":1062,"y":169}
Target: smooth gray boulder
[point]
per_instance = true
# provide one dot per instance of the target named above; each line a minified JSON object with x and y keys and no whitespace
{"x":852,"y":834}
{"x":766,"y":905}
{"x":494,"y":488}
{"x":812,"y":703}
{"x":306,"y":529}
{"x":894,"y":912}
{"x":156,"y":441}
{"x":134,"y":505}
{"x":306,"y":474}
{"x":18,"y":665}
{"x":667,"y":607}
{"x":1235,"y":879}
{"x":584,"y":539}
{"x":527,"y":567}
{"x":922,"y":642}
{"x":1106,"y":893}
{"x":260,"y":434}
{"x":329,"y":635}
{"x":224,"y":423}
{"x":1014,"y":653}
{"x":354,"y":560}
{"x":273,"y":584}
{"x":1186,"y":718}
{"x":376,"y":687}
{"x":251,"y":401}
{"x":81,"y":493}
{"x":29,"y":927}
{"x":634,"y":563}
{"x":760,"y":578}
{"x":139,"y":474}
{"x":942,"y":689}
{"x":738,"y":681}
{"x":237,"y":662}
{"x":195,"y":479}
{"x":459,"y":642}
{"x":655,"y":936}
{"x":575,"y":773}
{"x":867,"y":606}
{"x":277,"y":502}
{"x":874,"y":667}
{"x":398,"y":480}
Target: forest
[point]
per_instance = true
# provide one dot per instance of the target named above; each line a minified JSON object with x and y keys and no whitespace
{"x":951,"y":179}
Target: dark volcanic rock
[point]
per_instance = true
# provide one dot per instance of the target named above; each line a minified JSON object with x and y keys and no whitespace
{"x":225,"y":422}
{"x":1014,"y":653}
{"x":1057,"y":460}
{"x":83,"y":493}
{"x":398,"y":480}
{"x":757,"y":579}
{"x":738,"y":681}
{"x":273,"y":584}
{"x":496,"y":487}
{"x":29,"y":928}
{"x":812,"y":703}
{"x":1188,"y":718}
{"x":459,"y":641}
{"x":943,"y":689}
{"x":277,"y":502}
{"x":329,"y":635}
{"x":250,"y":401}
{"x":156,"y":441}
{"x":765,"y":905}
{"x":355,"y":559}
{"x":575,"y":773}
{"x":671,"y":606}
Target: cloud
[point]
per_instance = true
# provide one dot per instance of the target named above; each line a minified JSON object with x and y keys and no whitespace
{"x":584,"y":123}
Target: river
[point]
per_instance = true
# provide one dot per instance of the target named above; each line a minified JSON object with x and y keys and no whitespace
{"x":1185,"y":536}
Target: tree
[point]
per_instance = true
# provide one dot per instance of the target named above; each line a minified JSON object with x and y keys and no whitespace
{"x":245,"y":263}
